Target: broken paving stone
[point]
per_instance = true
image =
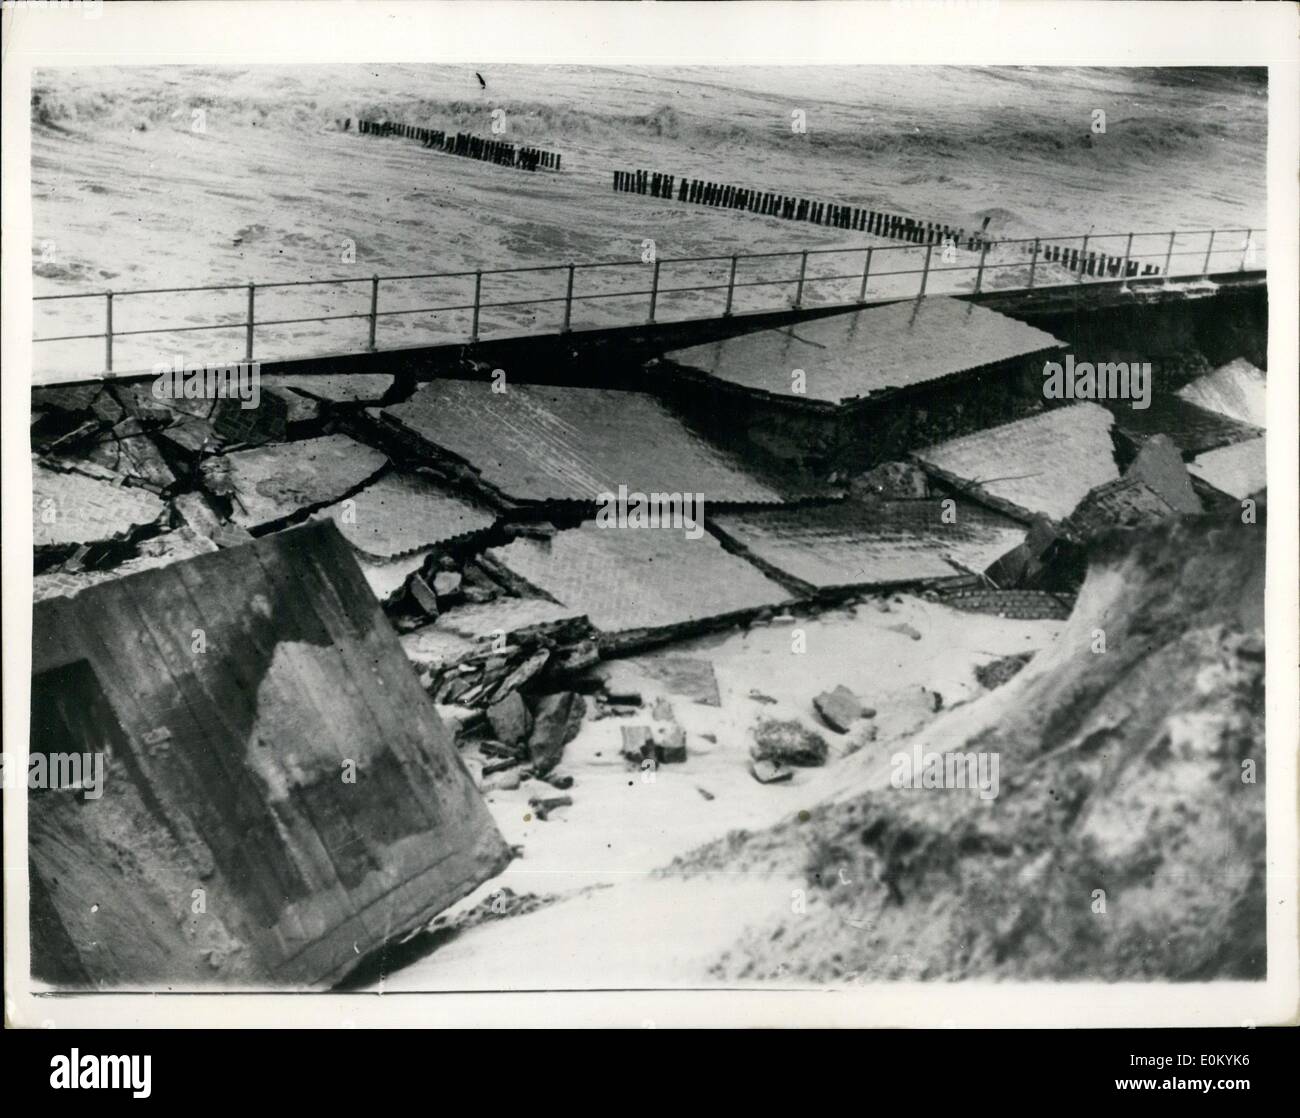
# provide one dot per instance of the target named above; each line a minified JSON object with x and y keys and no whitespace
{"x":522,"y":674}
{"x":769,"y":772}
{"x":424,"y":595}
{"x":788,"y":743}
{"x":510,"y":719}
{"x":446,"y":584}
{"x":69,"y":508}
{"x":1159,"y":464}
{"x":669,"y":742}
{"x":198,"y":515}
{"x":637,"y":743}
{"x":839,"y":708}
{"x":556,"y":722}
{"x":543,"y":805}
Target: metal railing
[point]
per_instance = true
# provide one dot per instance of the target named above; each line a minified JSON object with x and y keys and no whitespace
{"x":679,"y":289}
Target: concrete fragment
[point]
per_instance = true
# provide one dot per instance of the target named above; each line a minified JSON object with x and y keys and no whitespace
{"x":895,"y":481}
{"x":510,"y":719}
{"x":424,"y":595}
{"x":556,"y":722}
{"x":1160,"y":464}
{"x":543,"y":805}
{"x":769,"y":772}
{"x":839,"y":708}
{"x":788,"y":742}
{"x":522,"y":674}
{"x":446,"y":584}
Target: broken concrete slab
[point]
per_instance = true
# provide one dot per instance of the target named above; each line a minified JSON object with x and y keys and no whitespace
{"x":872,"y":543}
{"x":334,"y":388}
{"x":200,"y":517}
{"x":514,"y":619}
{"x":556,"y":722}
{"x":1238,"y":390}
{"x":435,"y":648}
{"x":840,"y":708}
{"x":226,"y":771}
{"x":1159,"y":464}
{"x":788,"y":742}
{"x":157,"y":551}
{"x":688,"y":676}
{"x":631,"y":582}
{"x":387,"y":576}
{"x":269,"y":484}
{"x":851,"y":356}
{"x":1128,"y":503}
{"x":1240,"y":471}
{"x":545,"y":443}
{"x":400,"y":513}
{"x":769,"y":772}
{"x":1040,"y":466}
{"x":135,"y":458}
{"x":511,"y":720}
{"x":1193,"y":429}
{"x":71,"y":508}
{"x":1026,"y":605}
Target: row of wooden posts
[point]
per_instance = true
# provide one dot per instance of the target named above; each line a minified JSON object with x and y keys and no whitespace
{"x":1087,"y":263}
{"x":770,"y":204}
{"x":462,"y":143}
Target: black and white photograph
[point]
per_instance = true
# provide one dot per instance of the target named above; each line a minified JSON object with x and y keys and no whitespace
{"x":593,"y":524}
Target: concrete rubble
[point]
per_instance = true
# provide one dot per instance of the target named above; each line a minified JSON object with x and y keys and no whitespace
{"x":543,"y":653}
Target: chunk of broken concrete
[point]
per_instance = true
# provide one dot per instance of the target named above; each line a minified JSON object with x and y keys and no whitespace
{"x":788,"y":743}
{"x":839,"y":708}
{"x":669,"y":743}
{"x":769,"y":772}
{"x":510,"y":719}
{"x":897,"y":481}
{"x":522,"y":674}
{"x":446,"y":584}
{"x":556,"y":722}
{"x":543,"y":805}
{"x":424,"y":595}
{"x":637,"y":743}
{"x":1160,"y":465}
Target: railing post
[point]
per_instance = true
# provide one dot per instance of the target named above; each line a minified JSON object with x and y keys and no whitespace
{"x":654,"y":291}
{"x":108,"y":331}
{"x":866,"y":271}
{"x":798,"y":292}
{"x":1169,"y":254}
{"x":1123,"y":268}
{"x":1245,"y":248}
{"x":478,"y":289}
{"x":1033,"y":263}
{"x":979,"y":275}
{"x":1205,"y":268}
{"x":1083,"y":256}
{"x":568,"y":303}
{"x":248,"y":340}
{"x":374,"y":309}
{"x":731,"y":288}
{"x":925,"y":270}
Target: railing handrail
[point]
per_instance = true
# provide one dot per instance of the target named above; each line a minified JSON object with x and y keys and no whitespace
{"x":1102,"y":267}
{"x":636,"y":262}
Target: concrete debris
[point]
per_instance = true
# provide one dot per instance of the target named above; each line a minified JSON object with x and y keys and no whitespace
{"x":446,"y":584}
{"x":400,"y":513}
{"x":270,"y":484}
{"x":841,"y":708}
{"x":1240,"y":471}
{"x":424,"y":594}
{"x":387,"y":577}
{"x":1159,"y":464}
{"x":549,"y":443}
{"x":872,"y":542}
{"x":556,"y":722}
{"x":906,"y":630}
{"x":788,"y":743}
{"x":303,"y":670}
{"x":334,"y":388}
{"x":135,"y":458}
{"x":152,"y":553}
{"x":631,"y":583}
{"x":1238,"y":390}
{"x":1025,"y":605}
{"x":199,"y":516}
{"x":851,"y":356}
{"x":70,"y":509}
{"x":543,"y":805}
{"x":510,"y":719}
{"x":1040,"y":466}
{"x":770,"y":772}
{"x":894,"y":481}
{"x":997,"y":672}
